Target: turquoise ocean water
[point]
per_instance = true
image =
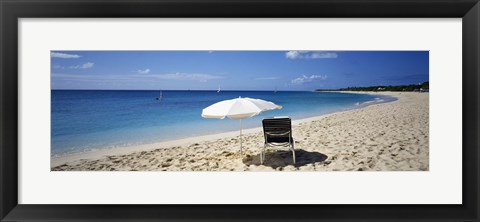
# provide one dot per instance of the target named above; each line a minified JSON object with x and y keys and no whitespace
{"x":85,"y":120}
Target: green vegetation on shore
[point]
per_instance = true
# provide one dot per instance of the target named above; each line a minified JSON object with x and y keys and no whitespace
{"x":408,"y":88}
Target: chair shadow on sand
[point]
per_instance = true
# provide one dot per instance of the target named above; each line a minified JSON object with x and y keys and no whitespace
{"x":277,"y":159}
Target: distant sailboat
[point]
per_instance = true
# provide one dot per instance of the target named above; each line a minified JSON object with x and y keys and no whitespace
{"x":218,"y":89}
{"x":275,"y":90}
{"x":160,"y":95}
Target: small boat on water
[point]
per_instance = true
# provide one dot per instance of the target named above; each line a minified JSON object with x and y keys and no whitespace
{"x":160,"y":96}
{"x":218,"y":89}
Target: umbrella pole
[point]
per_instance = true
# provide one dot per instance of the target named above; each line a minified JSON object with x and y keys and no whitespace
{"x":241,"y":126}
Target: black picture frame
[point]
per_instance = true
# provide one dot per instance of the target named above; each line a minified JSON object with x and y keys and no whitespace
{"x":12,"y":10}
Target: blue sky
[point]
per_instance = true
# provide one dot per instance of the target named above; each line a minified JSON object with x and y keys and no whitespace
{"x":235,"y":70}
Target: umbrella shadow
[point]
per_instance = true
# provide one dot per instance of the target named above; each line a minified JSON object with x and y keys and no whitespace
{"x":277,"y":159}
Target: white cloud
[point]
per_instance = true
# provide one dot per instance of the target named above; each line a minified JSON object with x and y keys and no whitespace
{"x":188,"y":76}
{"x":306,"y":79}
{"x":64,"y":55}
{"x":93,"y":77}
{"x":322,"y":55}
{"x":145,"y":71}
{"x":292,"y":54}
{"x":266,"y":78}
{"x":310,"y":55}
{"x":83,"y":66}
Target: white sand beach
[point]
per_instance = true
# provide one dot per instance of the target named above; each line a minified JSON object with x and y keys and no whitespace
{"x":391,"y":136}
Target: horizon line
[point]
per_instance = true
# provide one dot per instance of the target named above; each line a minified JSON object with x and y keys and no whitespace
{"x":191,"y":90}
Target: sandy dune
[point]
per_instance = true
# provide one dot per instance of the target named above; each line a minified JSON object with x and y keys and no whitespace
{"x":384,"y":137}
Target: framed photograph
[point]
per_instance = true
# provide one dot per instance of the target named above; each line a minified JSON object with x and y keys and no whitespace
{"x":159,"y":118}
{"x":278,"y":110}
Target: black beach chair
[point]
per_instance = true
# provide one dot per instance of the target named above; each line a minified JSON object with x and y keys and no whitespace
{"x":278,"y":133}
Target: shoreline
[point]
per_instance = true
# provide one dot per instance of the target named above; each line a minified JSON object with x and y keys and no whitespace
{"x":100,"y":153}
{"x":391,"y":136}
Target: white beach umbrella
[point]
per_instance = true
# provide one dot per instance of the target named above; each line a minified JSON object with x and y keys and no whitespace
{"x":238,"y":109}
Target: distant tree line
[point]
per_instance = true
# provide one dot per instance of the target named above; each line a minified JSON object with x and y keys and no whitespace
{"x":407,"y":88}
